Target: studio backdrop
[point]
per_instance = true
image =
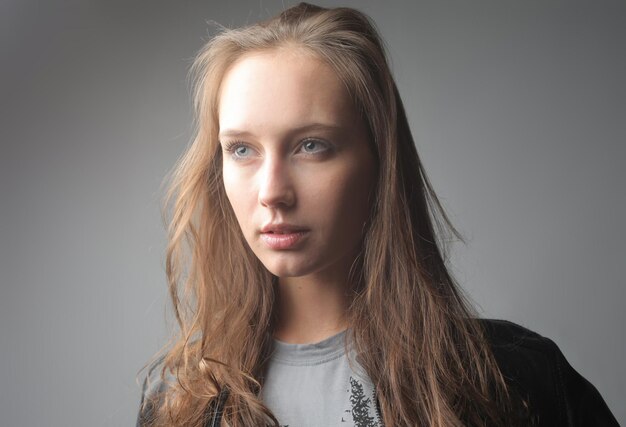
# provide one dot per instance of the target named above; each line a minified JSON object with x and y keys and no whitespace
{"x":518,"y":110}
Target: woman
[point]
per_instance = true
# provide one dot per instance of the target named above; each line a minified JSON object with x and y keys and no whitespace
{"x":306,"y":260}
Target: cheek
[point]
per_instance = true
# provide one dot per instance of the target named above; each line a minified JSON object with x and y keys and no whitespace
{"x":238,"y":191}
{"x":342,"y":197}
{"x":230,"y":183}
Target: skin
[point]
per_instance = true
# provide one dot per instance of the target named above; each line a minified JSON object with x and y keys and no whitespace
{"x":280,"y":169}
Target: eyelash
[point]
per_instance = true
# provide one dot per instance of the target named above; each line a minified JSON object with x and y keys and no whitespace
{"x":232,"y":146}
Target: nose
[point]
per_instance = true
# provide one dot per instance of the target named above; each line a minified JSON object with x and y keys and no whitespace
{"x":276,"y":188}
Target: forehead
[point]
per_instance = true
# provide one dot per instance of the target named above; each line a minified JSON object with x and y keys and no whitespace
{"x":270,"y":92}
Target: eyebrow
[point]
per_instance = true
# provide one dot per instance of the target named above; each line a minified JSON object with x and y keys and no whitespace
{"x":234,"y":133}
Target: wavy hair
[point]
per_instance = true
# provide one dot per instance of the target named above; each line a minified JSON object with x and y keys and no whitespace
{"x":415,"y":332}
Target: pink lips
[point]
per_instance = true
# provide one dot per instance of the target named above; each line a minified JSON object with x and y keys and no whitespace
{"x":282,"y":236}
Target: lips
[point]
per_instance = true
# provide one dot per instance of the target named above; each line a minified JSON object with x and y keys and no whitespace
{"x":283,"y":236}
{"x":282,"y":228}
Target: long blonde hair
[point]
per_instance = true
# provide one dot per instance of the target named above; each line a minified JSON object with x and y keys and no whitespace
{"x":417,"y":336}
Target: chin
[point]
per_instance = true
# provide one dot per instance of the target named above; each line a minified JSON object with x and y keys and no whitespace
{"x":280,"y":271}
{"x":288,"y":268}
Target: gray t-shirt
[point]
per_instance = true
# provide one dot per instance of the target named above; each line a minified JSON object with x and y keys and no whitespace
{"x":313,"y":385}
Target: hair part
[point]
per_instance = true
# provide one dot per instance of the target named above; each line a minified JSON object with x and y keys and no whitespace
{"x":414,"y":332}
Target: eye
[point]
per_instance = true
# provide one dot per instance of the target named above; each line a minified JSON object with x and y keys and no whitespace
{"x":237,"y":149}
{"x":241,"y":150}
{"x":314,"y":146}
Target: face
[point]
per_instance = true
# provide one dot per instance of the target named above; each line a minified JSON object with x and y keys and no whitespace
{"x":297,"y":167}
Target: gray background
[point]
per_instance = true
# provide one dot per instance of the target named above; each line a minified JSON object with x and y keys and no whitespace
{"x":518,"y":109}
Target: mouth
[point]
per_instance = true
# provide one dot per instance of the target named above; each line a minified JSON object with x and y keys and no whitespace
{"x":281,"y":237}
{"x":281,"y":228}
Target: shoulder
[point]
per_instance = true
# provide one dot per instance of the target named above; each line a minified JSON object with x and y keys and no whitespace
{"x":152,"y":389}
{"x":514,"y":344}
{"x":535,"y":367}
{"x":156,"y":383}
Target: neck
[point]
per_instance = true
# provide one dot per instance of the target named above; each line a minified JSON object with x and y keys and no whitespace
{"x":311,"y":308}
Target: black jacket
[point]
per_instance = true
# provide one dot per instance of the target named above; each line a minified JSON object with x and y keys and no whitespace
{"x":534,"y":367}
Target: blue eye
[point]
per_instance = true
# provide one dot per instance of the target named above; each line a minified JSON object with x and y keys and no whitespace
{"x":241,"y":150}
{"x":237,"y":149}
{"x":313,"y":146}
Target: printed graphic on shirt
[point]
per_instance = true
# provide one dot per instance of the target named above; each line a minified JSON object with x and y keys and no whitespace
{"x":363,"y":411}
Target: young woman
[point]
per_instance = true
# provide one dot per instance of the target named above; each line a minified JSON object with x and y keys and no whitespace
{"x":306,"y":264}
